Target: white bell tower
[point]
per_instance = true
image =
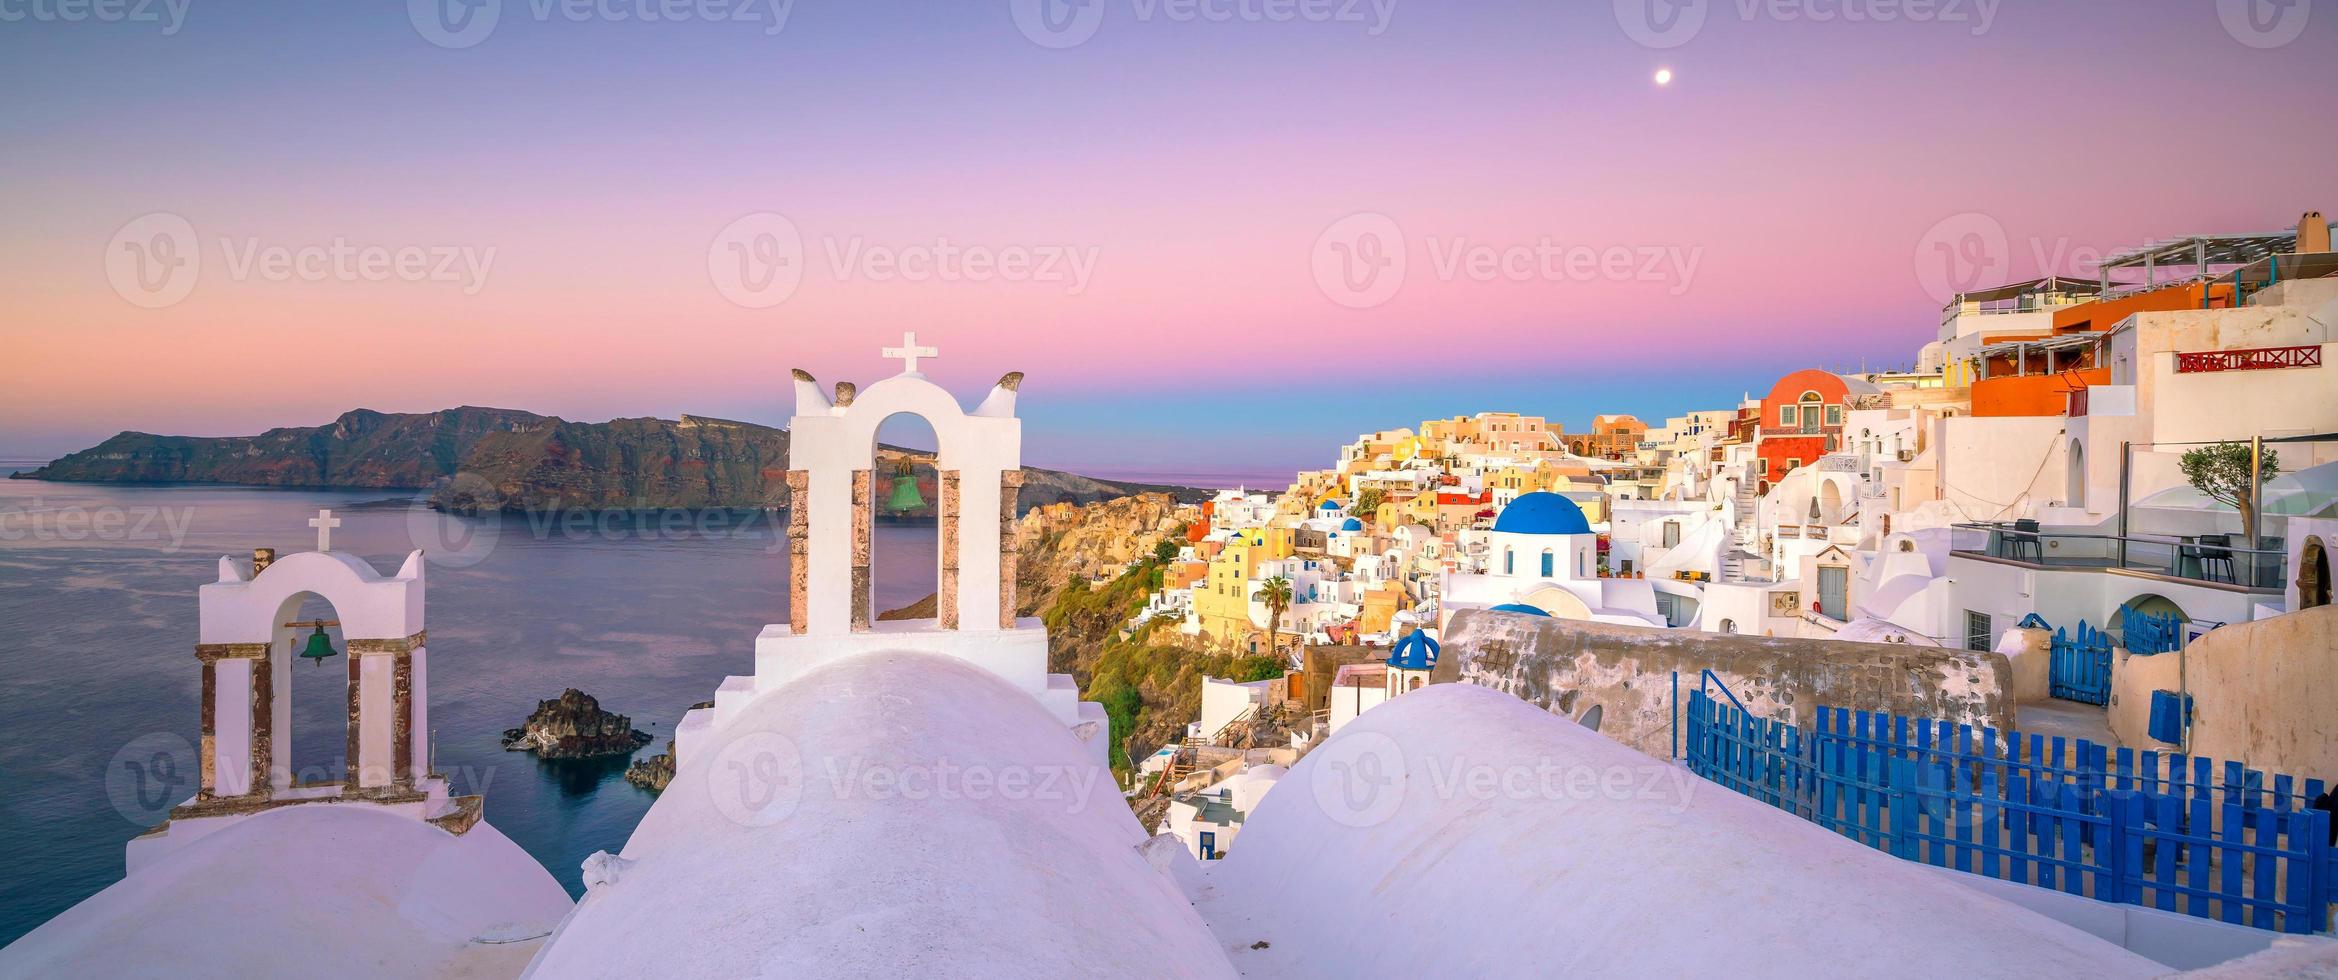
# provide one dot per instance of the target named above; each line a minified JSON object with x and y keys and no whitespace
{"x":832,"y":485}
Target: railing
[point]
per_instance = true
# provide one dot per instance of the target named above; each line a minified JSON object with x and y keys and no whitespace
{"x":2249,"y":359}
{"x":2125,"y":827}
{"x":2259,"y":569}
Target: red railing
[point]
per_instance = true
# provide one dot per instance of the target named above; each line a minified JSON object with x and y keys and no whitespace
{"x":2249,"y":359}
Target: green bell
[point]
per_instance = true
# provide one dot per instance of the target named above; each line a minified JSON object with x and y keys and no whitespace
{"x":905,"y":495}
{"x":320,"y":647}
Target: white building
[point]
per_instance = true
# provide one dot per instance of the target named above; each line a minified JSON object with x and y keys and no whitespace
{"x":1541,"y":552}
{"x":1207,"y":821}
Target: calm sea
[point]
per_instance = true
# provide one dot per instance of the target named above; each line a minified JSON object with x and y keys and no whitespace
{"x":98,"y":673}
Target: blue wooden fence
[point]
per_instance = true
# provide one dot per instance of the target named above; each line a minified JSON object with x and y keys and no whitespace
{"x":2163,"y":831}
{"x":2144,"y":633}
{"x":2081,"y":668}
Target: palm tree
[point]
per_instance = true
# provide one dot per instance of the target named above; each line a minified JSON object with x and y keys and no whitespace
{"x":1276,"y":593}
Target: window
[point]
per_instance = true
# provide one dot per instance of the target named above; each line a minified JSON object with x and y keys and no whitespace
{"x":1509,"y":562}
{"x":1786,"y":416}
{"x":1793,"y":463}
{"x":1834,"y":415}
{"x":1672,"y":534}
{"x":1546,"y":563}
{"x":1976,"y":631}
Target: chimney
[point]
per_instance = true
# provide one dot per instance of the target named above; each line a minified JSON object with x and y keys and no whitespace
{"x":261,"y":559}
{"x":2313,"y":234}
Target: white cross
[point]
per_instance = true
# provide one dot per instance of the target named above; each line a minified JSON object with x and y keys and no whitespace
{"x":324,"y":522}
{"x":909,"y":352}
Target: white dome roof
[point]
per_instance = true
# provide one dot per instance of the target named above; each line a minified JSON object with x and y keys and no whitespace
{"x":830,"y":871}
{"x":314,"y":889}
{"x":1672,"y":876}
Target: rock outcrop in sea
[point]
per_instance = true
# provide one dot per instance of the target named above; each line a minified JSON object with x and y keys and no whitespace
{"x":654,"y":772}
{"x":573,"y":726}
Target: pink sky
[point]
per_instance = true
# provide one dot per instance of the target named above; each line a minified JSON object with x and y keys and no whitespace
{"x":1799,"y":164}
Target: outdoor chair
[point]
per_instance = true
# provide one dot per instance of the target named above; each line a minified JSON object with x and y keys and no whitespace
{"x":2023,"y":539}
{"x":2215,"y":556}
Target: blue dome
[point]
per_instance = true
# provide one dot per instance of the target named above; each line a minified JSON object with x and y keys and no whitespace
{"x":1351,"y":524}
{"x":1327,"y":505}
{"x":1519,"y":607}
{"x":1415,"y":652}
{"x":1542,"y":512}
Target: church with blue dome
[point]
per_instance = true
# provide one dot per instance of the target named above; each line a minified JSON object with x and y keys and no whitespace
{"x":1541,"y":558}
{"x":1542,"y":512}
{"x":1410,"y":661}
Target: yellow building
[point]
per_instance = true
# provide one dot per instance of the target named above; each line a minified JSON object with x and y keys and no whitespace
{"x":1380,"y":607}
{"x":1522,"y":479}
{"x":1221,"y":605}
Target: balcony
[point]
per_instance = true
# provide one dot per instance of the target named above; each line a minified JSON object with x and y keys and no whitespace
{"x":2249,"y":359}
{"x":2103,"y":400}
{"x":2182,"y":559}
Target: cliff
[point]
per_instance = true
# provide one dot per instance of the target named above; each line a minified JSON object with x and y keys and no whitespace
{"x":573,"y":726}
{"x":362,"y":448}
{"x":499,"y":459}
{"x":1085,"y":570}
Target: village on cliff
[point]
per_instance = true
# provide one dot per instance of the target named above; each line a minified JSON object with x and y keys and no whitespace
{"x":2018,"y":662}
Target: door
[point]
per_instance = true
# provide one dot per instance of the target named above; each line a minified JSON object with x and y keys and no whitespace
{"x":1209,"y":846}
{"x":1833,"y":583}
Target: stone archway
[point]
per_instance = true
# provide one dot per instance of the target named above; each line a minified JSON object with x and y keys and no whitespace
{"x":2313,"y":574}
{"x":2154,"y":604}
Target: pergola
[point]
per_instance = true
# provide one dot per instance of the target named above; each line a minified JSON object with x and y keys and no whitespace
{"x":2198,"y":252}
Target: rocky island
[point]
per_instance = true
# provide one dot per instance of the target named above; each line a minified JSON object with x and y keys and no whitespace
{"x":573,"y":726}
{"x":654,"y":772}
{"x":479,"y":459}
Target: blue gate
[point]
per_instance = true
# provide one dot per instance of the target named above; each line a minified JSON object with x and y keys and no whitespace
{"x":2082,"y":665}
{"x":2145,"y":633}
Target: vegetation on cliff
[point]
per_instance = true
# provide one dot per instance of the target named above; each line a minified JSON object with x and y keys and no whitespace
{"x":1086,"y":570}
{"x":1149,"y":680}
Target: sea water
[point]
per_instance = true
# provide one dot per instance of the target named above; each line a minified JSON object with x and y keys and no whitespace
{"x":98,"y":676}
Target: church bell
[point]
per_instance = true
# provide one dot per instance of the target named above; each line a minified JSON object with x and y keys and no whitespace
{"x":319,"y":648}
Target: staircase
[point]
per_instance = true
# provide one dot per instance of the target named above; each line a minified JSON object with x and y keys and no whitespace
{"x":1742,"y":541}
{"x":1187,"y":759}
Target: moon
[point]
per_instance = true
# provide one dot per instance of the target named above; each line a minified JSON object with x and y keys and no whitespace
{"x":1663,"y":76}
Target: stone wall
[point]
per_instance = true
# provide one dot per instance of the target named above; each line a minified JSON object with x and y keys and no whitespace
{"x":2262,"y":693}
{"x":1566,"y":666}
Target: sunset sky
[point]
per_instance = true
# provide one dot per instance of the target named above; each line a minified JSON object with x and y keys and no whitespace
{"x":1782,"y":190}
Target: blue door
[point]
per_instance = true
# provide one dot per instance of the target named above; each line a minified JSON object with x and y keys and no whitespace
{"x":1209,"y":846}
